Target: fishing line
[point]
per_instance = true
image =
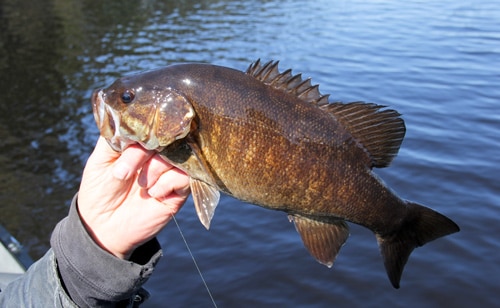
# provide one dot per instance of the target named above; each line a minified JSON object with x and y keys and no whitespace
{"x":195,"y":263}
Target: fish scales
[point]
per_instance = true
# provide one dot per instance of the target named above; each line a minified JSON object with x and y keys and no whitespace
{"x":270,"y":138}
{"x":287,"y":170}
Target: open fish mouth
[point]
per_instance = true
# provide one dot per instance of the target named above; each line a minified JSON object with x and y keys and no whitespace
{"x":120,"y":133}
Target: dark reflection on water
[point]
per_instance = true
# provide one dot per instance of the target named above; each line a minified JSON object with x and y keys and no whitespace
{"x":34,"y":177}
{"x":434,"y":62}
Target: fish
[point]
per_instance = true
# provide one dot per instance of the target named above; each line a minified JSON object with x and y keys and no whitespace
{"x":270,"y":138}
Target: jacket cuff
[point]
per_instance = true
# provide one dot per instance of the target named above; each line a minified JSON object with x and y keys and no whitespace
{"x":91,"y":275}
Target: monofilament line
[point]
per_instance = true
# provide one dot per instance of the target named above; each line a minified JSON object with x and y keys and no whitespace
{"x":195,"y":263}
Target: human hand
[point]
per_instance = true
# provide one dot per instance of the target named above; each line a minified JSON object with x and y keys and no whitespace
{"x":126,"y":199}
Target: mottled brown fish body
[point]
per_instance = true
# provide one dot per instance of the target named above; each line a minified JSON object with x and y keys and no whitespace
{"x":270,"y":148}
{"x":271,"y":139}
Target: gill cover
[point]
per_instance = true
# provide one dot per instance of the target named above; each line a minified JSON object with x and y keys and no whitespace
{"x":173,"y":118}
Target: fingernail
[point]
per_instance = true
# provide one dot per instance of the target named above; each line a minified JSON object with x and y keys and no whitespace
{"x":142,"y":180}
{"x":121,"y":171}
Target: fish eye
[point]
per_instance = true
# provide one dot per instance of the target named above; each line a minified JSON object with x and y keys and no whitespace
{"x":127,"y":96}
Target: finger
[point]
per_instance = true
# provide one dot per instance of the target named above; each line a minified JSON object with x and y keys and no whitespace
{"x":173,"y":183}
{"x":152,"y":170}
{"x":131,"y":160}
{"x":103,"y":154}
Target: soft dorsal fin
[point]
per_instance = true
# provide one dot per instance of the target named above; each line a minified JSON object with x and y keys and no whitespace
{"x":380,"y":131}
{"x":285,"y":81}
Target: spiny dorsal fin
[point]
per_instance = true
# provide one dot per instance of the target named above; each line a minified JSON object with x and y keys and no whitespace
{"x":293,"y":84}
{"x":380,"y":131}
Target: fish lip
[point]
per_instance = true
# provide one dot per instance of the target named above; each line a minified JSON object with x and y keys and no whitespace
{"x":106,"y":120}
{"x":97,"y":107}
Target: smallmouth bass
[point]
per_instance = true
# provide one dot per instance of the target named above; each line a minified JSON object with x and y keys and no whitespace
{"x":270,"y":138}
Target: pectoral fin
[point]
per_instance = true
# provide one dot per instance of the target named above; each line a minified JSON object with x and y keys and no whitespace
{"x":323,"y":237}
{"x":206,"y":198}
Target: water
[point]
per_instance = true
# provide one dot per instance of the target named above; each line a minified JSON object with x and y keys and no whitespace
{"x":436,"y":63}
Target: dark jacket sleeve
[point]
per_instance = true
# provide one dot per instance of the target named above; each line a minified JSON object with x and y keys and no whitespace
{"x":77,"y":271}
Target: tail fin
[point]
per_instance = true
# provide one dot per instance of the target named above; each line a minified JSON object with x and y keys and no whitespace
{"x":422,"y":225}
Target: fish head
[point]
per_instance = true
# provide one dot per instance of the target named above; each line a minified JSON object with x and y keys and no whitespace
{"x":129,"y":112}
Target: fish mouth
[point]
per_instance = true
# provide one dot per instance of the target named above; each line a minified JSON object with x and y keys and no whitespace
{"x":117,"y":132}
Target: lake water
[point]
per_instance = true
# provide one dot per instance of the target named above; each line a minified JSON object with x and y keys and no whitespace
{"x":435,"y":62}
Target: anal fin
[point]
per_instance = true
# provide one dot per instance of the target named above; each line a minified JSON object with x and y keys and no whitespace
{"x":323,"y":237}
{"x":206,"y":198}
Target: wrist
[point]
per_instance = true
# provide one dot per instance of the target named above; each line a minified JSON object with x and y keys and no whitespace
{"x":81,"y":262}
{"x":102,"y":243}
{"x":99,"y":237}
